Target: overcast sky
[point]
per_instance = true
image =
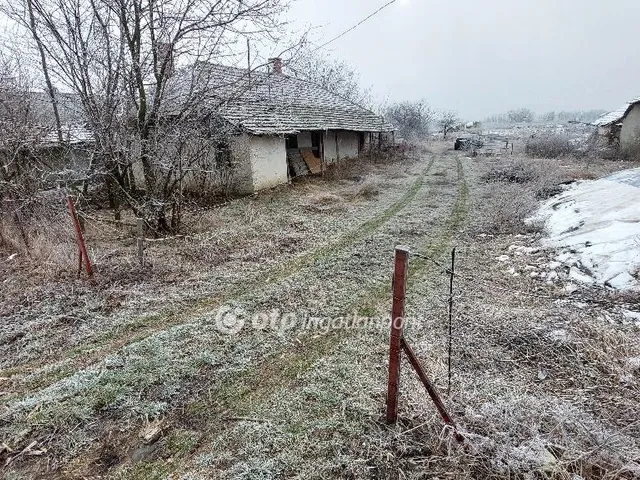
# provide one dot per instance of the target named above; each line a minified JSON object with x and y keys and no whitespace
{"x":487,"y":56}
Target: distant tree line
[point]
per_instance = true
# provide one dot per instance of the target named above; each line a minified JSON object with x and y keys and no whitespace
{"x":525,"y":115}
{"x":586,"y":116}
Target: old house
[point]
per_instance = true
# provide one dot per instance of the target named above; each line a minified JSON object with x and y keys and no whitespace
{"x":283,"y":127}
{"x":622,"y":126}
{"x":28,"y":130}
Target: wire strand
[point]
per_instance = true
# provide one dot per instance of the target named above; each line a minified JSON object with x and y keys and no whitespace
{"x":356,"y":25}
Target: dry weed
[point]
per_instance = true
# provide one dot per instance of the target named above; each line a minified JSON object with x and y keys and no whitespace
{"x":550,"y":146}
{"x":580,"y":174}
{"x":505,"y":208}
{"x":367,"y":189}
{"x":517,"y":172}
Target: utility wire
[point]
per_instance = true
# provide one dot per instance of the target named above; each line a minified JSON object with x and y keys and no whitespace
{"x":356,"y":25}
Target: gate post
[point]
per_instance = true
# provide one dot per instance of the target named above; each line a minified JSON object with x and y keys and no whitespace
{"x":397,"y":324}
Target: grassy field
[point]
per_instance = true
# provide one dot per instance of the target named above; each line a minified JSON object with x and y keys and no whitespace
{"x":140,"y":376}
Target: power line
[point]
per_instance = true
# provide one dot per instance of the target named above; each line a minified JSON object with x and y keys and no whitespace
{"x":356,"y":25}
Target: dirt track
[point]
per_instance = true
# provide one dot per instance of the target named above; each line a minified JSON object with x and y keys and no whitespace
{"x":293,"y":401}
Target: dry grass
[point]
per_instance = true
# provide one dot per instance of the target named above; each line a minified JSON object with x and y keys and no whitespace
{"x":507,"y":206}
{"x":322,"y":201}
{"x":513,"y":185}
{"x":43,"y":233}
{"x":541,"y":385}
{"x":581,"y":174}
{"x":368,"y":188}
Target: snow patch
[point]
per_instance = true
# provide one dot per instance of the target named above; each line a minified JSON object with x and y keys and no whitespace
{"x":631,"y":315}
{"x":596,"y":227}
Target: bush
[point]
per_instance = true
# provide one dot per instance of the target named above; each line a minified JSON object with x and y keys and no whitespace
{"x":506,"y":208}
{"x":547,"y":191}
{"x":514,"y":173}
{"x":550,"y":146}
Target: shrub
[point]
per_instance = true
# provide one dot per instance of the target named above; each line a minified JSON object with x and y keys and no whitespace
{"x":506,"y":208}
{"x":547,"y":191}
{"x":514,"y":173}
{"x":550,"y":146}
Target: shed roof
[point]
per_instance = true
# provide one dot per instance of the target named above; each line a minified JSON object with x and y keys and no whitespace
{"x":272,"y":103}
{"x":31,"y":113}
{"x":616,"y":116}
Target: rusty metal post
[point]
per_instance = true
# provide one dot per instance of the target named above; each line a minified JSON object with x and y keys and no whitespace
{"x":431,"y":390}
{"x":397,"y":325}
{"x":140,"y":241}
{"x":80,"y":237}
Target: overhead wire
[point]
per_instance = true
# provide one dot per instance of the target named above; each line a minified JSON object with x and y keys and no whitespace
{"x":355,"y":26}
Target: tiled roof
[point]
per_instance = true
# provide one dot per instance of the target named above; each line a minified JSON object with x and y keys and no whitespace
{"x":71,"y":134}
{"x":34,"y":107}
{"x":263,"y":103}
{"x":616,"y":116}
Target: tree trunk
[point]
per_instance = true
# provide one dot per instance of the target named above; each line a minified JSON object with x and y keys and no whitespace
{"x":45,"y":70}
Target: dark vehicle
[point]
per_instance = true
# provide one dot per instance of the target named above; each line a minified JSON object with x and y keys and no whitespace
{"x":467,"y":143}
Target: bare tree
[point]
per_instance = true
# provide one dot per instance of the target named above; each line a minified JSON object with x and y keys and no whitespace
{"x":118,"y":57}
{"x":23,"y":131}
{"x":521,"y":115}
{"x":447,"y":120}
{"x":412,"y":119}
{"x":336,"y":76}
{"x":548,"y":117}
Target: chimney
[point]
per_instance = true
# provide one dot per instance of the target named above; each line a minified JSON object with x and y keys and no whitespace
{"x":277,"y":64}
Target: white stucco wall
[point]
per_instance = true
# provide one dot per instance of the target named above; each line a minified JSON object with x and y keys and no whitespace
{"x":630,"y":133}
{"x":329,"y":139}
{"x":347,"y":145}
{"x":268,"y":161}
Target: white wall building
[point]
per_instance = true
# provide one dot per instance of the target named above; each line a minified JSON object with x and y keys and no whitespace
{"x":623,"y":126}
{"x":284,"y":127}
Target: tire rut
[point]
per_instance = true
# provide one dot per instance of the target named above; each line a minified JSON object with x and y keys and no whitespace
{"x":78,"y":359}
{"x":238,"y":395}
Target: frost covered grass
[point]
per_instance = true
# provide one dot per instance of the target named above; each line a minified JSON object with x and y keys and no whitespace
{"x":542,"y":387}
{"x":551,"y":146}
{"x":513,"y":186}
{"x":127,"y":372}
{"x":557,"y":395}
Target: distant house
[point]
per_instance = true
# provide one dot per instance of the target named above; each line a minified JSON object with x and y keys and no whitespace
{"x":283,"y":127}
{"x":622,"y":126}
{"x":28,"y":129}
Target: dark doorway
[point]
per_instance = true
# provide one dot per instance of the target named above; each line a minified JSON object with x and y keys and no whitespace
{"x":291,"y":141}
{"x":315,"y":143}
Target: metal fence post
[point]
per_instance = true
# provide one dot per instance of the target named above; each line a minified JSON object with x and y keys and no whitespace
{"x":397,"y":325}
{"x":80,"y":238}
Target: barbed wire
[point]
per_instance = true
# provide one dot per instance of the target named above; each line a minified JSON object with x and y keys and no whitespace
{"x":447,"y":270}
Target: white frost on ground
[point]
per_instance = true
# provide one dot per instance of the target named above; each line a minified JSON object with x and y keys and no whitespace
{"x":596,"y":227}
